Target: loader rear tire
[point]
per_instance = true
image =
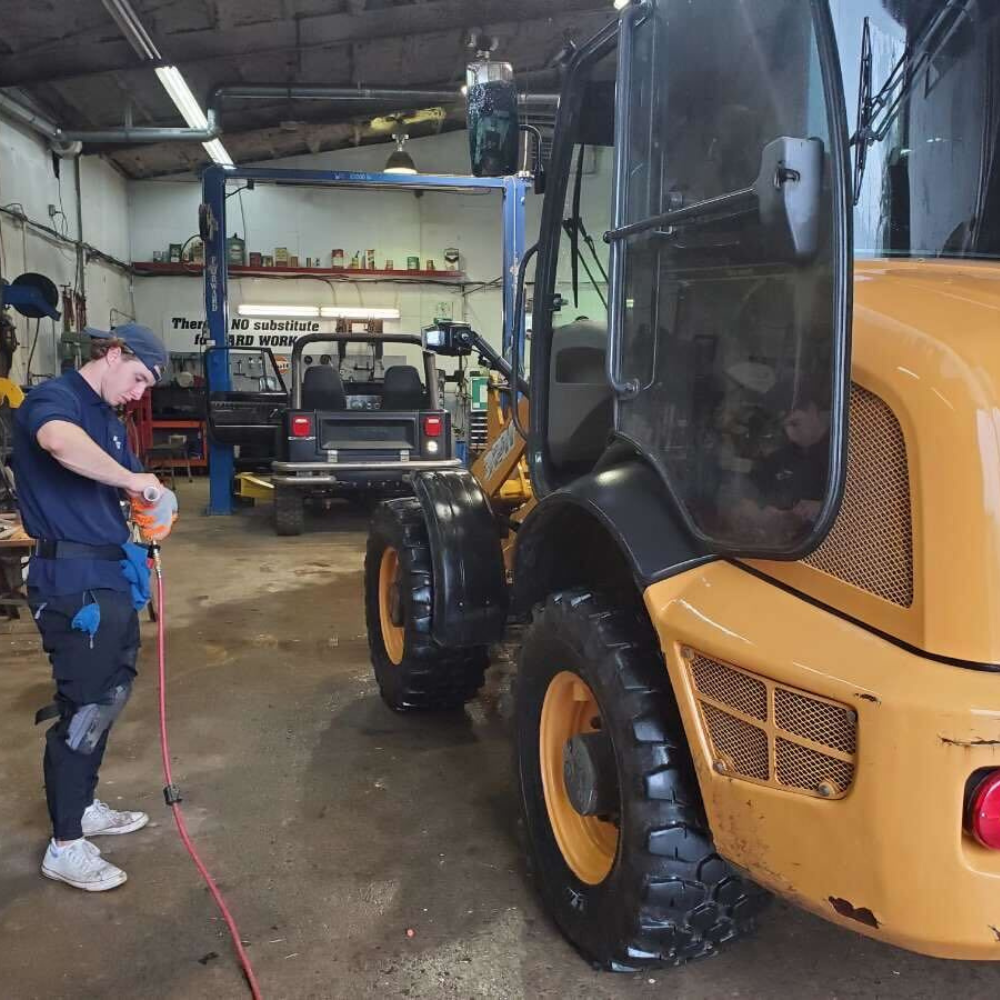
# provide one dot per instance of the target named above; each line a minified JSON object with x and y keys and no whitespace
{"x":637,"y":883}
{"x":413,"y":671}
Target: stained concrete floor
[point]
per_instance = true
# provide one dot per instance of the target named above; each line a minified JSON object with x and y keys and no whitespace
{"x":332,"y":825}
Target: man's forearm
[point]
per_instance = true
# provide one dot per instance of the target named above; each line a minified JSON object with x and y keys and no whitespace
{"x":73,"y":448}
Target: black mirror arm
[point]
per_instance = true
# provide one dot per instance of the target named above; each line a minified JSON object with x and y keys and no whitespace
{"x":785,"y":197}
{"x":697,"y":213}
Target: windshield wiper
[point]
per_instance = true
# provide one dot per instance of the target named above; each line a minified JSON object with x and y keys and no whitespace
{"x":575,"y":228}
{"x":877,"y":112}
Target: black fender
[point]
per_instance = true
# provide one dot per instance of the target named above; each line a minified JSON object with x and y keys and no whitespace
{"x":470,"y":600}
{"x":605,"y":529}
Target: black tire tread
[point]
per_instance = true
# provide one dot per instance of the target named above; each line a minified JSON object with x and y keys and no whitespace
{"x":687,"y":899}
{"x":430,"y":676}
{"x":289,"y":510}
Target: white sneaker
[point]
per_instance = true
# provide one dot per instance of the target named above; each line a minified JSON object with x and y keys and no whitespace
{"x":99,"y":819}
{"x":80,"y":865}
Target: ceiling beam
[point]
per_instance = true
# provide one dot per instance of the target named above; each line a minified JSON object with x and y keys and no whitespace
{"x":68,"y":58}
{"x":165,"y":159}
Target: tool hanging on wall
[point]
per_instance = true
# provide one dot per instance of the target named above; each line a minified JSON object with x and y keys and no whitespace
{"x":33,"y":296}
{"x":8,"y":344}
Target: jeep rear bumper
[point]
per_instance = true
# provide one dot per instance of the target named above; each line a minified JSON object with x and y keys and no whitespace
{"x":351,"y":474}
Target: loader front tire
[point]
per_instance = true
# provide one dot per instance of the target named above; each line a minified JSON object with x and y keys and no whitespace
{"x":412,"y":670}
{"x":634,"y":882}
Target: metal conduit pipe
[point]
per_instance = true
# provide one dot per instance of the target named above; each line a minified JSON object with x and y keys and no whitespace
{"x":356,"y":95}
{"x":368,"y":95}
{"x":14,"y":109}
{"x":25,"y":116}
{"x":144,"y":134}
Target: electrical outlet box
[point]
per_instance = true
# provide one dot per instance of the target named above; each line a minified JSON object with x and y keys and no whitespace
{"x":53,"y":211}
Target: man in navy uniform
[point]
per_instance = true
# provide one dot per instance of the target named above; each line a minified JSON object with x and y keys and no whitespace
{"x":73,"y":466}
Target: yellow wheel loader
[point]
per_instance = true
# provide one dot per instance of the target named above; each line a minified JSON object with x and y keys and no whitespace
{"x":761,"y":557}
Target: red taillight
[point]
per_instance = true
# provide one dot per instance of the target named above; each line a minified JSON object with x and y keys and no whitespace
{"x":433,"y":426}
{"x":302,"y":427}
{"x":984,"y":811}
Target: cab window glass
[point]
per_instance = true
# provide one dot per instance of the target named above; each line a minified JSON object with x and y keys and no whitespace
{"x":729,"y":336}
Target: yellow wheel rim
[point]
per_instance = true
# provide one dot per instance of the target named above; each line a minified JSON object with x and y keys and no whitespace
{"x":588,"y":844}
{"x":388,"y":591}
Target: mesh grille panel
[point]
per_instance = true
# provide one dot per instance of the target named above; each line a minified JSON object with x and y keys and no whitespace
{"x":730,"y":687}
{"x":801,"y":767}
{"x":871,"y":542}
{"x":744,"y":746}
{"x":764,"y":742}
{"x":819,"y":721}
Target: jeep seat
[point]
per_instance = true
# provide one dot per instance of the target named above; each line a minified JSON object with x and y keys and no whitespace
{"x":403,"y":389}
{"x":323,"y":389}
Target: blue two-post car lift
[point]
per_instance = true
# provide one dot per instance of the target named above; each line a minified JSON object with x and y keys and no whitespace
{"x":513,"y":191}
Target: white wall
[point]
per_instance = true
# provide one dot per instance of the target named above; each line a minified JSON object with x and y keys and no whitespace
{"x":312,"y":221}
{"x":130,"y":220}
{"x":28,"y":182}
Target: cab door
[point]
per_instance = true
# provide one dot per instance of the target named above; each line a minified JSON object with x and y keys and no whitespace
{"x":727,"y":352}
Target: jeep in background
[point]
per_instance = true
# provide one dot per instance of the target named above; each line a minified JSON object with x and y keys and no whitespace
{"x":350,"y":425}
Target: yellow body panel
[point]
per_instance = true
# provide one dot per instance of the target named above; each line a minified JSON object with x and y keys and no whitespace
{"x":894,"y":844}
{"x":501,"y":468}
{"x":927,"y":341}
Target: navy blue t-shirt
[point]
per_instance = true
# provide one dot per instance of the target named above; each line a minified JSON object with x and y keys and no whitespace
{"x":59,"y":505}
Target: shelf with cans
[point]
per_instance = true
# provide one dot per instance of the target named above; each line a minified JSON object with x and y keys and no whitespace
{"x":188,"y":259}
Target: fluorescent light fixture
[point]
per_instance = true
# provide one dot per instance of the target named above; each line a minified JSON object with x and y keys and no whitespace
{"x":187,"y":104}
{"x":268,"y":312}
{"x":315,"y":312}
{"x":619,"y":4}
{"x":217,"y":151}
{"x":180,"y":93}
{"x":357,"y":312}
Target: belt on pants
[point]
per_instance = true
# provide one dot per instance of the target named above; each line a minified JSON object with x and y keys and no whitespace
{"x":47,"y":549}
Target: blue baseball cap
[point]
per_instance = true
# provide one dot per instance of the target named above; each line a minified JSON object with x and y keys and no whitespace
{"x":140,"y":341}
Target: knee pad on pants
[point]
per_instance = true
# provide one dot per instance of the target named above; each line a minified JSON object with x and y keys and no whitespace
{"x":90,"y":722}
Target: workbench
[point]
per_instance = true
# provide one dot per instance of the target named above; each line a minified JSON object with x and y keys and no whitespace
{"x":13,"y":549}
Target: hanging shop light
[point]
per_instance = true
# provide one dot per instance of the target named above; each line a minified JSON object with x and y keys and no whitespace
{"x":400,"y":161}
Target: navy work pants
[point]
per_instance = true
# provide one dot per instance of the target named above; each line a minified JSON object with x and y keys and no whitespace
{"x":84,"y":675}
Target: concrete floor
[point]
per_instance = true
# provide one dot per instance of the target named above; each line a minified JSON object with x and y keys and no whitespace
{"x":333,"y":825}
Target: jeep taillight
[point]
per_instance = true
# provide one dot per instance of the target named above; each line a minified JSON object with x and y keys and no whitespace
{"x":983,"y":817}
{"x":302,"y":427}
{"x":433,"y":426}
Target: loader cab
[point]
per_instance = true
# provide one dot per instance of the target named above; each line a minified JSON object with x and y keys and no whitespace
{"x":715,"y":191}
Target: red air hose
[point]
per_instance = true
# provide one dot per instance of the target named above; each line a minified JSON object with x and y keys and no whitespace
{"x":172,"y":796}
